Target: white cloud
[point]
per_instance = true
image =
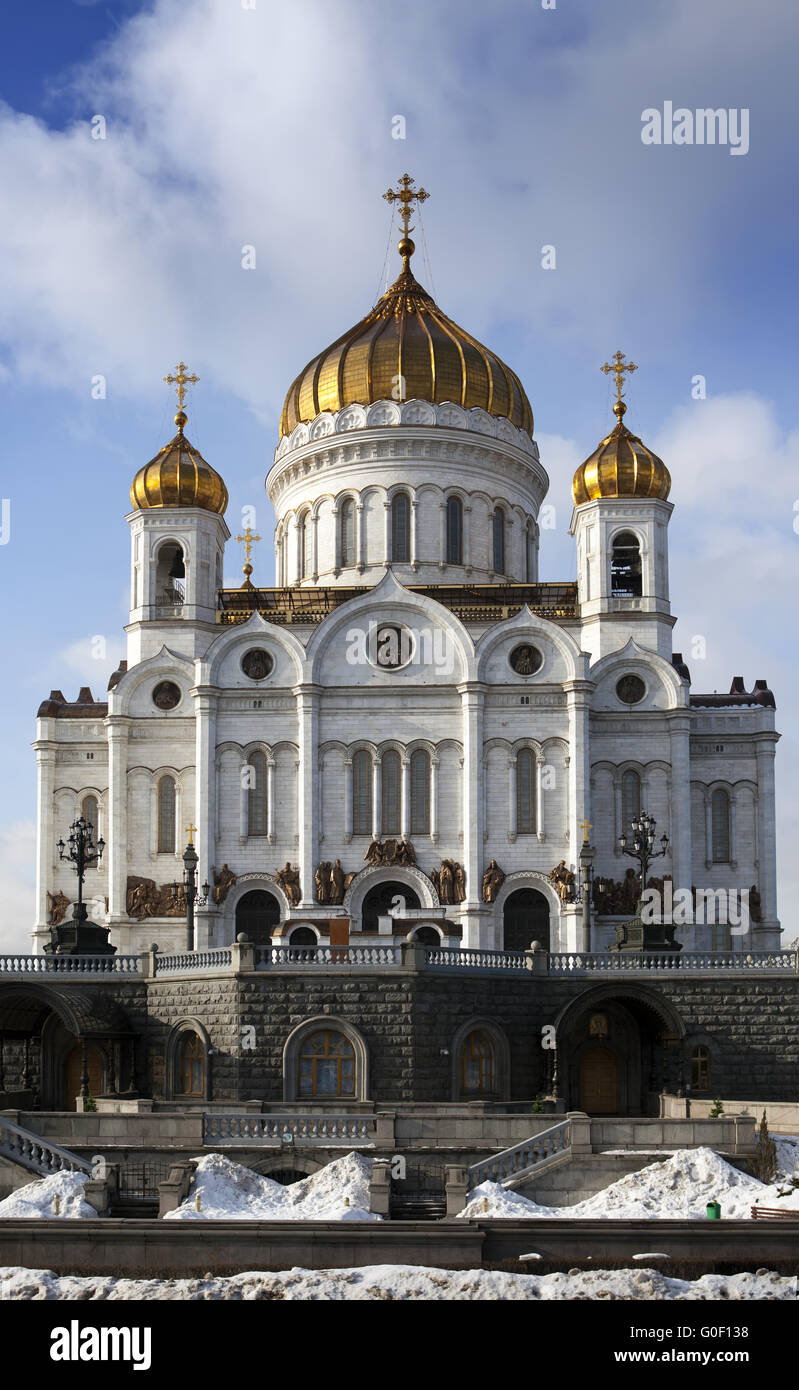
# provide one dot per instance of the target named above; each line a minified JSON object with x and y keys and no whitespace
{"x":17,"y":875}
{"x":91,"y":659}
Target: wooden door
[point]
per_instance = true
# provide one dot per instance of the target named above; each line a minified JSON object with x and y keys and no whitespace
{"x":599,"y":1084}
{"x":72,"y":1073}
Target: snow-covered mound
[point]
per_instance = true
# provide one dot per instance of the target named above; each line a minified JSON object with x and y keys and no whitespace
{"x":229,"y":1192}
{"x":403,"y":1282}
{"x":787,"y":1156}
{"x":37,"y":1199}
{"x":679,"y":1187}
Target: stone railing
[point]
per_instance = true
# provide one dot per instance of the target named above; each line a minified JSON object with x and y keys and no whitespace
{"x":351,"y":957}
{"x":502,"y":962}
{"x":665,"y":962}
{"x":184,"y":962}
{"x":70,"y":965}
{"x":537,"y":1152}
{"x":294,"y":1129}
{"x":38,"y":1155}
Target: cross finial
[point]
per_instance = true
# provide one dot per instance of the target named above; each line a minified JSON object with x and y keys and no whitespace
{"x":406,"y":195}
{"x":181,"y":379}
{"x":191,"y":831}
{"x":618,"y":367}
{"x":248,"y":540}
{"x":585,"y":826}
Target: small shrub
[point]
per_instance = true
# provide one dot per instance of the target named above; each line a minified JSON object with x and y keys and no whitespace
{"x":89,"y":1105}
{"x":718,"y":1108}
{"x":764,"y":1159}
{"x":538,"y":1106}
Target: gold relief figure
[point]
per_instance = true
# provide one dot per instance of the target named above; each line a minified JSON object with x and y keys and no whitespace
{"x":289,"y":880}
{"x":57,"y":904}
{"x":223,"y":882}
{"x":337,"y":883}
{"x":493,"y":879}
{"x":563,"y":880}
{"x":322,"y":881}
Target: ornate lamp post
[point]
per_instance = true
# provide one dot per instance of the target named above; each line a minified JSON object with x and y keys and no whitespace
{"x":643,"y":844}
{"x":80,"y":936}
{"x":190,"y":862}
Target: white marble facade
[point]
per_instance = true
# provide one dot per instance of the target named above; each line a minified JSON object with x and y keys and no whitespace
{"x":480,"y":724}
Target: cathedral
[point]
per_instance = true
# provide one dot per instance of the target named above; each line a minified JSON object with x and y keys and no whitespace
{"x":412,"y":742}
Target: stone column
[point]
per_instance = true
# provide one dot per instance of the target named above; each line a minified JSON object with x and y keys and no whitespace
{"x":117,"y":836}
{"x":347,"y":800}
{"x":205,"y":703}
{"x":442,"y":560}
{"x":387,"y":534}
{"x":466,"y":556}
{"x":472,"y":695}
{"x":680,"y":810}
{"x":766,"y":838}
{"x":434,"y":799}
{"x":360,"y":537}
{"x":540,"y":819}
{"x":577,"y":693}
{"x":46,"y":836}
{"x":511,"y":799}
{"x":405,"y":800}
{"x":307,"y":697}
{"x":414,"y":533}
{"x":270,"y":800}
{"x":376,"y":799}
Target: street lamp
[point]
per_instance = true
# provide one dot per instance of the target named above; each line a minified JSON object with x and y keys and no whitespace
{"x":193,"y":898}
{"x":83,"y":852}
{"x":643,"y":844}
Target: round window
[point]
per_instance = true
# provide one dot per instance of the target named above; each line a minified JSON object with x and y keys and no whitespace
{"x":525,"y":660}
{"x":390,"y":646}
{"x":257,"y":664}
{"x":630,"y":690}
{"x":166,"y":695}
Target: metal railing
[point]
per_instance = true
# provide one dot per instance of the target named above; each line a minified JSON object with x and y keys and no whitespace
{"x":280,"y":1129}
{"x":38,"y":1155}
{"x":538,"y":1152}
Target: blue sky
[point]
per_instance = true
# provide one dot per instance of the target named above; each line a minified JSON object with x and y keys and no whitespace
{"x":272,"y":127}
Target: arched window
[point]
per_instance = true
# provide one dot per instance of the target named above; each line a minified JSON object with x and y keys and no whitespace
{"x":190,"y":1079}
{"x":625,"y":566}
{"x":257,"y":915}
{"x":347,"y":532}
{"x":379,"y":900}
{"x":420,"y":792}
{"x":305,"y":546}
{"x":170,"y":575}
{"x":477,"y":1065}
{"x":304,"y":938}
{"x":720,"y":819}
{"x":391,"y":772}
{"x":166,"y":815}
{"x":401,"y":528}
{"x":257,"y":794}
{"x":362,"y":793}
{"x":630,"y":800}
{"x":700,"y":1069}
{"x":525,"y":918}
{"x":525,"y":792}
{"x":91,"y":814}
{"x":326,"y":1065}
{"x":454,"y":531}
{"x":499,"y":541}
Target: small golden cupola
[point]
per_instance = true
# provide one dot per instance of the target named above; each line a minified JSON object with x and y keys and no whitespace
{"x":179,"y":476}
{"x":621,"y":465}
{"x":406,"y":339}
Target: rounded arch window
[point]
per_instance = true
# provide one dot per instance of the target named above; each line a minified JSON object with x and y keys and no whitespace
{"x":305,"y":539}
{"x":90,"y":811}
{"x":362,"y":793}
{"x":170,"y":575}
{"x":630,"y":799}
{"x":477,"y":1064}
{"x":166,"y":815}
{"x":190,"y":1077}
{"x":625,"y":566}
{"x":454,"y":531}
{"x":720,"y":826}
{"x":391,"y":778}
{"x":400,"y":528}
{"x":304,"y":937}
{"x":347,"y":524}
{"x":257,"y":794}
{"x":499,"y":541}
{"x":700,"y":1069}
{"x":420,"y":792}
{"x":257,"y":914}
{"x":326,"y":1065}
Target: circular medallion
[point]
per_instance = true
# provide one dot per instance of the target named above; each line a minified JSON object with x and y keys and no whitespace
{"x":390,"y":646}
{"x":257,"y":664}
{"x":630,"y":690}
{"x":166,"y":695}
{"x":526,"y":660}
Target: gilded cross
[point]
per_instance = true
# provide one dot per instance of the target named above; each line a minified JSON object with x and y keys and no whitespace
{"x":406,"y":195}
{"x":585,"y":826}
{"x":191,"y":831}
{"x":248,"y":541}
{"x":618,"y":367}
{"x":181,"y":378}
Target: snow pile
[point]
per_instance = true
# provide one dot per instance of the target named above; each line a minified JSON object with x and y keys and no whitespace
{"x":417,"y":1283}
{"x":679,"y":1188}
{"x":229,"y":1192}
{"x":37,"y":1199}
{"x":787,"y":1156}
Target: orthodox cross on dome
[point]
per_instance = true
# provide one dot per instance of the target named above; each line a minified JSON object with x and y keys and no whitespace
{"x":181,"y":379}
{"x":248,"y":540}
{"x":406,"y":196}
{"x":618,"y":367}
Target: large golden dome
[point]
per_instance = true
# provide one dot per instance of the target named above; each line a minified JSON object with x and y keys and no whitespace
{"x":179,"y":476}
{"x":406,"y":341}
{"x":621,"y":466}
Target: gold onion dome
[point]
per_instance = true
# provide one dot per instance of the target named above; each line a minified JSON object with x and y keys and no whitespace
{"x":405,"y":340}
{"x":179,"y":476}
{"x":621,"y":465}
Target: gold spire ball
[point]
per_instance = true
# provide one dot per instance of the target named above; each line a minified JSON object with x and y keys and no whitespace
{"x":179,"y":476}
{"x":621,"y":465}
{"x":406,"y":349}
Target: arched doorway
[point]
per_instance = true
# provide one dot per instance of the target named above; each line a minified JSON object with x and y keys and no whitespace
{"x":257,"y":914}
{"x":599,"y":1082}
{"x":525,"y":918}
{"x":378,"y":900}
{"x":426,"y":936}
{"x":73,"y":1070}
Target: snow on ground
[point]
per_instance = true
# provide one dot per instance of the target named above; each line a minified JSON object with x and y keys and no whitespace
{"x":787,"y":1155}
{"x":229,"y":1192}
{"x":413,"y":1283}
{"x":680,"y":1187}
{"x":38,"y":1198}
